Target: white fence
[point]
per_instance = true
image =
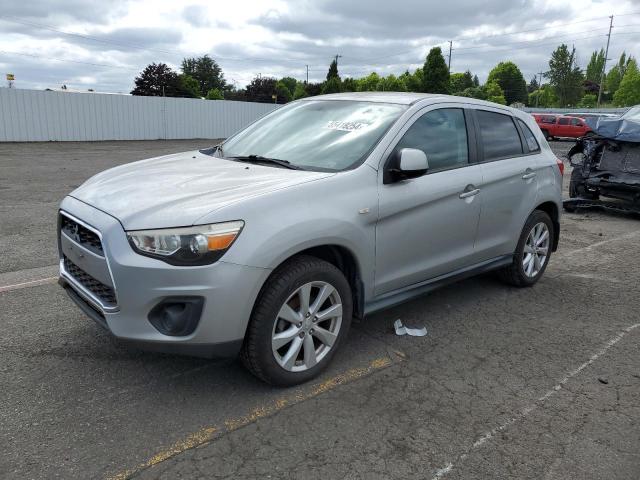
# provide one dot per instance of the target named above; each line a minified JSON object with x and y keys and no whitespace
{"x":35,"y":116}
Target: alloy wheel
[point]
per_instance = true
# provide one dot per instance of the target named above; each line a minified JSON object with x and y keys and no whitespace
{"x":536,"y":250}
{"x":307,"y":326}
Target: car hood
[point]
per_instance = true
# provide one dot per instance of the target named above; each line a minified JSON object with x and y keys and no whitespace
{"x":177,"y":190}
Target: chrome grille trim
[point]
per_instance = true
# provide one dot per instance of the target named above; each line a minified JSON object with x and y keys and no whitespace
{"x":84,"y":292}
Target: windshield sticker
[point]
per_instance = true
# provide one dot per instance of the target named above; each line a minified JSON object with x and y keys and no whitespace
{"x":345,"y":126}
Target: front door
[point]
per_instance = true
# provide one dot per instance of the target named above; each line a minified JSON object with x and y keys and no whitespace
{"x":427,"y":225}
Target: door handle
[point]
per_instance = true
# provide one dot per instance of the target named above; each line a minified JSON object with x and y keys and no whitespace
{"x":529,"y":175}
{"x":469,"y":193}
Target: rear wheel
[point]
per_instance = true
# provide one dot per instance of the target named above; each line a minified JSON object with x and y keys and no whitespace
{"x":532,"y":253}
{"x":300,"y":319}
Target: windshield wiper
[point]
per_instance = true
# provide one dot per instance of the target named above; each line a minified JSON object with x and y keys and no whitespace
{"x":261,"y":159}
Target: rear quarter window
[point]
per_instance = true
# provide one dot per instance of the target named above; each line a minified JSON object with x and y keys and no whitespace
{"x":499,"y":135}
{"x":529,"y":138}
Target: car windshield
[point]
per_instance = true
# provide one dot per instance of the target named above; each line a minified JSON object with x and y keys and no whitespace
{"x":633,"y":114}
{"x":326,"y":135}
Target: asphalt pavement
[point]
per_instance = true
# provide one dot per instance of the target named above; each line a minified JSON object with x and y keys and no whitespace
{"x":539,"y":383}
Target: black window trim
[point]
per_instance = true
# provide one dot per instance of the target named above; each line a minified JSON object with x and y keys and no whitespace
{"x":480,"y":146}
{"x":472,"y":142}
{"x":523,"y":138}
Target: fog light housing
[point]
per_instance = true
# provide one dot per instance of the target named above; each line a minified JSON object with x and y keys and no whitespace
{"x":177,"y":316}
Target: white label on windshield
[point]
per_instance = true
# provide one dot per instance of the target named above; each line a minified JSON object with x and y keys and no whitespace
{"x":345,"y":126}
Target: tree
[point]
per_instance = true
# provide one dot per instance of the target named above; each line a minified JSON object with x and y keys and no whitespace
{"x":391,"y":84}
{"x":544,"y":97}
{"x":476,"y":82}
{"x":333,"y":85}
{"x":511,"y":81}
{"x":157,"y":80}
{"x":369,"y":83}
{"x":494,"y":93}
{"x":283,"y":93}
{"x":565,"y":76}
{"x":189,"y":86}
{"x":436,"y":73}
{"x":299,"y":91}
{"x":595,"y":67}
{"x":533,"y":85}
{"x":590,"y":100}
{"x":260,"y":89}
{"x":629,"y":91}
{"x":206,"y":71}
{"x":458,"y":82}
{"x":614,"y":77}
{"x":413,"y":81}
{"x":215,"y":94}
{"x":349,"y":85}
{"x":313,"y":89}
{"x":290,"y":83}
{"x":333,"y":70}
{"x":474,"y":92}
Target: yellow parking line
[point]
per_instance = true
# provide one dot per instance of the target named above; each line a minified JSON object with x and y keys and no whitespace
{"x":207,"y":434}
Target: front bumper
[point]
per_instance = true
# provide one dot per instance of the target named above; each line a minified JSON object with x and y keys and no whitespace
{"x":140,"y":283}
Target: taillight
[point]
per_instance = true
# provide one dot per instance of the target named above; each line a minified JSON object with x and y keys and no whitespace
{"x":560,"y":166}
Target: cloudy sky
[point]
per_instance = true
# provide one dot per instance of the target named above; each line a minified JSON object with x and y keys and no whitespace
{"x":104,"y":44}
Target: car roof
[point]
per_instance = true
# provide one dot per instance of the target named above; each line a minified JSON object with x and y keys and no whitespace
{"x":403,"y":98}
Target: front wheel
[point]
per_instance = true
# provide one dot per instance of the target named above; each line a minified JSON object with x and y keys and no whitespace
{"x":301,"y":317}
{"x":532,"y":253}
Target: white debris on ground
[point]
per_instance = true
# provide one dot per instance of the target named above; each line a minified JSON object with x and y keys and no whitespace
{"x":413,"y":332}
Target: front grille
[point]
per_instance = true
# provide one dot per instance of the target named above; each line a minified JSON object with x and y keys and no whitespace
{"x":105,"y":293}
{"x":81,"y":234}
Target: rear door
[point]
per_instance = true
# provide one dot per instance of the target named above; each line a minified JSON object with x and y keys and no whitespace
{"x":578,"y":128}
{"x":510,"y":155}
{"x":564,"y":129}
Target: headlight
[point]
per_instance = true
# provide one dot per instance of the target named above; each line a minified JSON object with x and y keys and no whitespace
{"x":199,"y":245}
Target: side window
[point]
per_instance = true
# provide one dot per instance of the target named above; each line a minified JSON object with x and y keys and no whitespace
{"x":548,"y":119}
{"x":563,"y":121}
{"x":500,"y":138}
{"x":576,"y":122}
{"x":529,"y":137}
{"x":442,"y":136}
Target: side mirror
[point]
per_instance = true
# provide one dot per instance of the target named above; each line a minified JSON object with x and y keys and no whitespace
{"x":409,"y":163}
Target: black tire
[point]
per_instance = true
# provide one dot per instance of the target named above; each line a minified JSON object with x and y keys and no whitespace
{"x":514,"y":274}
{"x":257,"y":354}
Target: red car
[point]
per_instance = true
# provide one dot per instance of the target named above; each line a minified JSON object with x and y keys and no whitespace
{"x":554,"y":126}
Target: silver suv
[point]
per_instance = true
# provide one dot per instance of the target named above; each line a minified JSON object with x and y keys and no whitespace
{"x":328,"y":208}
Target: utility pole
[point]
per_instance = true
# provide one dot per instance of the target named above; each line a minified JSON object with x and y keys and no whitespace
{"x":539,"y":89}
{"x":307,"y":82}
{"x":450,"y":48}
{"x":604,"y":66}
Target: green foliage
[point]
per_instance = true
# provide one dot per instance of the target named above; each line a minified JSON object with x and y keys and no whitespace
{"x":614,"y":77}
{"x":206,"y":71}
{"x":290,"y":83}
{"x":283,"y":92}
{"x":368,"y":83}
{"x":590,"y":100}
{"x":333,"y":71}
{"x":189,"y":86}
{"x":476,"y":82}
{"x":313,"y":89}
{"x":156,"y":80}
{"x":391,"y":84}
{"x":595,"y":67}
{"x":436,"y":73}
{"x":333,"y":85}
{"x":494,"y":92}
{"x":628,"y":93}
{"x":260,"y":89}
{"x":565,"y":76}
{"x":412,"y":81}
{"x":544,"y":97}
{"x":458,"y":82}
{"x":533,"y":85}
{"x":349,"y":85}
{"x":215,"y":94}
{"x":473,"y":92}
{"x":300,"y":91}
{"x":511,"y":81}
